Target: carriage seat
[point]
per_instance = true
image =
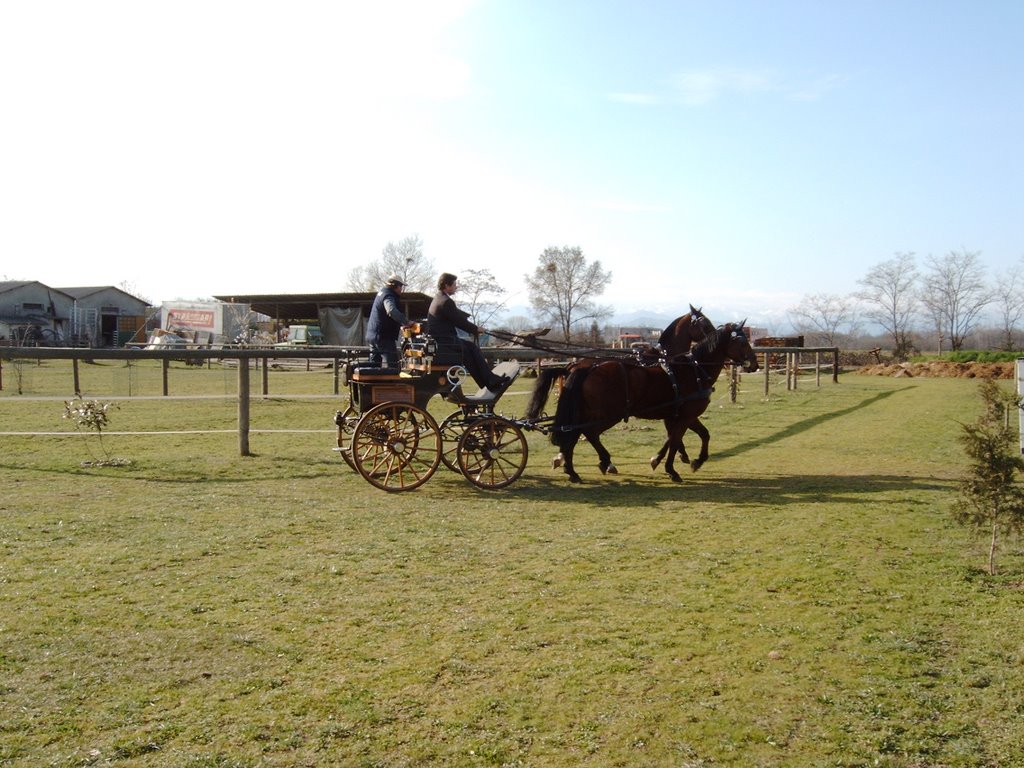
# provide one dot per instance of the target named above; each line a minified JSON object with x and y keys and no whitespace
{"x":363,"y":370}
{"x":509,"y":370}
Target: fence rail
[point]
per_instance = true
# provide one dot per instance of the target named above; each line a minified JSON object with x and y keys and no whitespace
{"x":263,"y":356}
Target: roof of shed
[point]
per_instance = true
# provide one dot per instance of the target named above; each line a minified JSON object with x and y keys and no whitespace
{"x":295,"y":307}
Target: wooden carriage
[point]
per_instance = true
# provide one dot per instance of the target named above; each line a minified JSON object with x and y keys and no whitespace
{"x":386,"y":434}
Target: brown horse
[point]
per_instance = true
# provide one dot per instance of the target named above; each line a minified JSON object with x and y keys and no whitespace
{"x":600,"y":395}
{"x":675,"y":341}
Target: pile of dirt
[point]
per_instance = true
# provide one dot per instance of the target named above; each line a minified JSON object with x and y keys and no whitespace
{"x":942,"y":369}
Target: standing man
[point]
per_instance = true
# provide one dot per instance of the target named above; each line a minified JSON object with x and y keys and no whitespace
{"x":443,"y":320}
{"x":386,"y":320}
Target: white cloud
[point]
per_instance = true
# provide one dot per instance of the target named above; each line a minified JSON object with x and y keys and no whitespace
{"x":641,"y":99}
{"x":697,"y":87}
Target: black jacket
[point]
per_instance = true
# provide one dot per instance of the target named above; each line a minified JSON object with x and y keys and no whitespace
{"x":386,"y":319}
{"x":443,"y":318}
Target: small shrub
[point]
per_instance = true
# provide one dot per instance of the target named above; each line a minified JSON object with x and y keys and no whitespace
{"x":92,"y":416}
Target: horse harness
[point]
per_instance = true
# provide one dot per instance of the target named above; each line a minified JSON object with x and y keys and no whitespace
{"x":703,"y":393}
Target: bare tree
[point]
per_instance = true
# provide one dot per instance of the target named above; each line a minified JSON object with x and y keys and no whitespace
{"x":404,"y":259}
{"x":1008,"y":296}
{"x":954,"y":294}
{"x":823,"y":315}
{"x":889,"y":296}
{"x":480,"y":295}
{"x":563,"y":287}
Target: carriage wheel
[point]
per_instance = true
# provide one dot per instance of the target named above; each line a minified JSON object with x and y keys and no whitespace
{"x":346,"y":421}
{"x":492,"y":453}
{"x":452,"y":428}
{"x":396,"y":447}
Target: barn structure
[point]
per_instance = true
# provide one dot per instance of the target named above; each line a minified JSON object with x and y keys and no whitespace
{"x":35,"y":314}
{"x":341,"y":316}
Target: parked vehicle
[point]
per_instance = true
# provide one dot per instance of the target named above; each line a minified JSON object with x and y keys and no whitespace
{"x":302,"y":336}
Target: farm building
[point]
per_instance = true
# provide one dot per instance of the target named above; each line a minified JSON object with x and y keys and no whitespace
{"x":32,"y":313}
{"x":105,"y":316}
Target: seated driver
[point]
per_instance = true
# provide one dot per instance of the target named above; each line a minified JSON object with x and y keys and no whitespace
{"x":444,"y":320}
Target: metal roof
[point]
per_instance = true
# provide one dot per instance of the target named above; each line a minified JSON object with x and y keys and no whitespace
{"x":305,"y":307}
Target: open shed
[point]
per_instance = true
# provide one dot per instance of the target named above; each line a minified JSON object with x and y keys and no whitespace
{"x":341,"y":316}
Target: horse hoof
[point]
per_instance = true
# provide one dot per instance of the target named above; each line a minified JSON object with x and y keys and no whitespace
{"x":697,"y":464}
{"x":655,"y":461}
{"x":612,"y":469}
{"x":676,"y":478}
{"x":556,"y":462}
{"x":575,"y":479}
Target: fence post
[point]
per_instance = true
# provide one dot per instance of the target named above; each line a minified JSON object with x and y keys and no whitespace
{"x":165,"y":364}
{"x":243,"y":406}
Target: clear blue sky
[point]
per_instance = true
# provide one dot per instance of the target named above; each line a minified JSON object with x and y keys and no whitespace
{"x":738,"y":155}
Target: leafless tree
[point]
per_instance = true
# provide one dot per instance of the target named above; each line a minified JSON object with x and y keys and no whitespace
{"x":563,"y":287}
{"x":825,"y":315}
{"x":1008,"y":296}
{"x":954,"y":294}
{"x":889,"y":296}
{"x":480,"y":295}
{"x":404,"y":259}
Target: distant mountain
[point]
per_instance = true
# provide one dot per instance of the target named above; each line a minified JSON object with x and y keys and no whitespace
{"x":660,"y":318}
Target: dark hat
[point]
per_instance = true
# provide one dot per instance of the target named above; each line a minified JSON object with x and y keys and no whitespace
{"x":396,"y":281}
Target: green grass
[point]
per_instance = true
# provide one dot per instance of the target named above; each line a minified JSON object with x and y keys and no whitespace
{"x":803,"y":600}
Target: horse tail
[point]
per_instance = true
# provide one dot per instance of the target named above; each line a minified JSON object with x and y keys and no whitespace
{"x":542,"y":388}
{"x":567,"y":412}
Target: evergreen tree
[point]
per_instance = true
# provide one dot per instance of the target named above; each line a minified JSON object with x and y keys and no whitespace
{"x":990,"y":497}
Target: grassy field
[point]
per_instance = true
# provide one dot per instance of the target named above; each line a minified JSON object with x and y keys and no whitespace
{"x":803,"y":600}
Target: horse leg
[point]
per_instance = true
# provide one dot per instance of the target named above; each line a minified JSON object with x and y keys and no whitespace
{"x":656,"y":459}
{"x":705,"y":439}
{"x":675,"y":429}
{"x":566,"y":444}
{"x":604,"y":458}
{"x":681,"y":450}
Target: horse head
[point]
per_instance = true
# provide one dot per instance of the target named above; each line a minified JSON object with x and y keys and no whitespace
{"x":739,"y":349}
{"x":685,"y":331}
{"x":700,"y":325}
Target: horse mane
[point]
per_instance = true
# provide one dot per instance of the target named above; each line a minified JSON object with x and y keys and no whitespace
{"x":709,"y":344}
{"x":695,"y":317}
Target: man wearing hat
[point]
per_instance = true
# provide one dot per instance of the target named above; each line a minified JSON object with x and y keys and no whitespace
{"x":386,"y":320}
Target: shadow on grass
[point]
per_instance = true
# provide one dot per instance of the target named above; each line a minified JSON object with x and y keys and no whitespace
{"x":806,"y":424}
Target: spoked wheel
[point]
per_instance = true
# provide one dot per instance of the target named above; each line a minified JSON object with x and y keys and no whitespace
{"x":396,"y":446}
{"x":452,"y":428}
{"x":492,"y":453}
{"x":346,"y":421}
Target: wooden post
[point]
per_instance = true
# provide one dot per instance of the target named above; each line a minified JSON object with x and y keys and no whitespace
{"x":337,"y":363}
{"x":835,"y":365}
{"x":817,"y":369}
{"x":74,"y":375}
{"x":796,"y":368}
{"x":266,"y":378}
{"x":166,"y":366}
{"x":243,"y":406}
{"x":766,"y":372}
